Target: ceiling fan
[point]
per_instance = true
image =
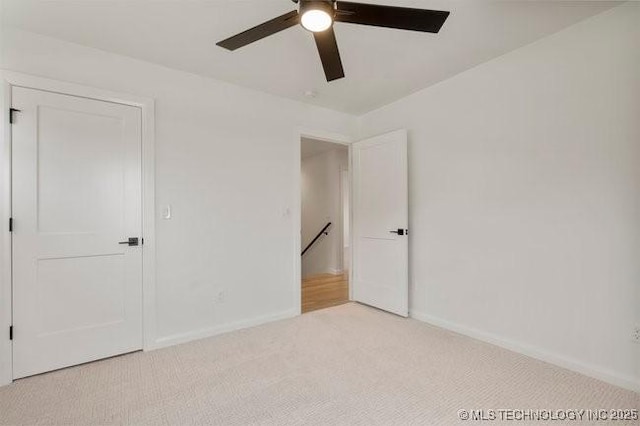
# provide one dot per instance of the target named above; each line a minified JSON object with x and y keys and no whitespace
{"x":318,"y":17}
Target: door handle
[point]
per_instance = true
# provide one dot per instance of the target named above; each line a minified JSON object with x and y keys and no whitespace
{"x":400,"y":231}
{"x":132,"y":241}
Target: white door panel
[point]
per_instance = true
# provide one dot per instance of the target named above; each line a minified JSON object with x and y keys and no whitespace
{"x":76,"y":188}
{"x":380,"y":263}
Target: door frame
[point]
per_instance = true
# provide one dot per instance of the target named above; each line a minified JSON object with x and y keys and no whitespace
{"x":9,"y":79}
{"x":296,"y":212}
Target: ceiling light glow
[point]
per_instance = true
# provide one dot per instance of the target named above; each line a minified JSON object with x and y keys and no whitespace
{"x":316,"y":20}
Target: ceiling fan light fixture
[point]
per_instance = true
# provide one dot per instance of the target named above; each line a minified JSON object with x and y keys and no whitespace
{"x":316,"y":20}
{"x":316,"y":15}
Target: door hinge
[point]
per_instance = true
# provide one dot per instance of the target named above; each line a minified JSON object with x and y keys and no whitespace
{"x":10,"y":224}
{"x":10,"y":332}
{"x":11,"y":111}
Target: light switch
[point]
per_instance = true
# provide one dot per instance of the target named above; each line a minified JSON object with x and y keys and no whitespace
{"x":166,"y":212}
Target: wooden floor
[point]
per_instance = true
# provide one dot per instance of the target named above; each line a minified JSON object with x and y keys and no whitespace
{"x":324,"y":291}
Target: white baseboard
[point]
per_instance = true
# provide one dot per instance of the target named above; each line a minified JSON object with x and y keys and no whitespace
{"x":613,"y":378}
{"x":176,"y":339}
{"x":335,"y":271}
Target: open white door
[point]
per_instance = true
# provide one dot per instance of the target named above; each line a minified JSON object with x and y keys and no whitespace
{"x":77,"y":281}
{"x":380,"y":222}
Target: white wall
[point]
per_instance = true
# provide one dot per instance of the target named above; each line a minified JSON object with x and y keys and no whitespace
{"x":346,"y":216}
{"x":321,"y":203}
{"x":525,"y":197}
{"x":226,"y":160}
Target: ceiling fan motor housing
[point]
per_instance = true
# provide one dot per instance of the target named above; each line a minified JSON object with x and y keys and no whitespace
{"x":324,"y":5}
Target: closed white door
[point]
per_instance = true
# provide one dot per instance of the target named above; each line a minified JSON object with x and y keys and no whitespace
{"x":76,"y":191}
{"x":380,"y":222}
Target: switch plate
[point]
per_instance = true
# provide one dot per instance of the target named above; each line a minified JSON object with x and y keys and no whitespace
{"x":166,"y":212}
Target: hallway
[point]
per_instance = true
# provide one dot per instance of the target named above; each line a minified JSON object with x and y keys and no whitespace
{"x":323,"y":291}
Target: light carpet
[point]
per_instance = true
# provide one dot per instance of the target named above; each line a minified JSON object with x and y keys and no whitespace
{"x":345,"y":365}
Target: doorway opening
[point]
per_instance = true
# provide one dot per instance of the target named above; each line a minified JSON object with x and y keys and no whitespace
{"x":325,"y":219}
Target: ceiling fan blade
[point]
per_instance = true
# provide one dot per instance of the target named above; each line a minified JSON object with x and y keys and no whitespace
{"x":403,"y":18}
{"x":261,"y":31}
{"x":329,"y":54}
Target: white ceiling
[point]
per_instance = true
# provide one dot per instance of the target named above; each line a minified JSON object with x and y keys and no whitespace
{"x":310,"y":147}
{"x":381,"y":65}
